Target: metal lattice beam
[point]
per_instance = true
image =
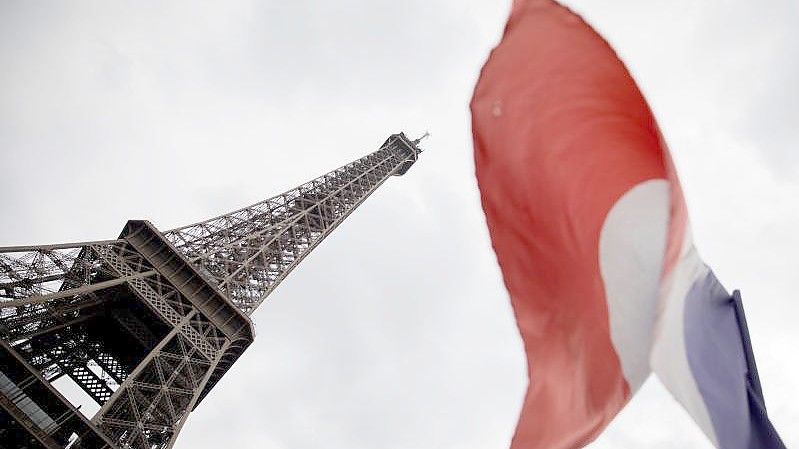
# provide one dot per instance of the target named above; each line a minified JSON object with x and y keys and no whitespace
{"x":248,"y":252}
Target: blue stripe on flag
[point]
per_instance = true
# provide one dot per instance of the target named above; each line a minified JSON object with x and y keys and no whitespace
{"x":719,"y":354}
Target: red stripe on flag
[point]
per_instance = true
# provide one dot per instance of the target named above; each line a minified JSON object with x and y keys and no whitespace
{"x":561,"y":132}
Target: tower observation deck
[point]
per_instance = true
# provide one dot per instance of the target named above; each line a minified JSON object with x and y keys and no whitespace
{"x":146,"y":324}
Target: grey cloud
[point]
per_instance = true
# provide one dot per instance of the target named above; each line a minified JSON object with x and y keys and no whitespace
{"x":752,"y":55}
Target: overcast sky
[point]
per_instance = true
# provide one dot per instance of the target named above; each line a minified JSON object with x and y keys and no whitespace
{"x":396,"y":332}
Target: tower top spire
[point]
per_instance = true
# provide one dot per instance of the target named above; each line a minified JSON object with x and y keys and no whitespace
{"x":422,"y":137}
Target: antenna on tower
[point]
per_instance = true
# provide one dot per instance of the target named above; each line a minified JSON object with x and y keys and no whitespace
{"x":426,"y":134}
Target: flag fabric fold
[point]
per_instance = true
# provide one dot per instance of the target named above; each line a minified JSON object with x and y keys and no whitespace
{"x":589,"y":225}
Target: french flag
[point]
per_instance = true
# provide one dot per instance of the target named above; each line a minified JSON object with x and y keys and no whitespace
{"x":590,"y":228}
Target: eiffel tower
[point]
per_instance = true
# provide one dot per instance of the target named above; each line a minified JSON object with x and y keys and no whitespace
{"x":147,"y":324}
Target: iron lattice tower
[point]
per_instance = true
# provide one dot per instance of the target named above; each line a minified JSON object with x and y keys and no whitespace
{"x":148,"y":323}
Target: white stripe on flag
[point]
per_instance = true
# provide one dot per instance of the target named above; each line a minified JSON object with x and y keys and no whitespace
{"x":631,"y":247}
{"x":669,"y":358}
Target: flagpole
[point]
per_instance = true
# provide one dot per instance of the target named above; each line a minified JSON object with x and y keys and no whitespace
{"x":754,"y":378}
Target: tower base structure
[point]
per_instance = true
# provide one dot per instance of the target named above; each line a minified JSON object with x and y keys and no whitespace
{"x":134,"y":325}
